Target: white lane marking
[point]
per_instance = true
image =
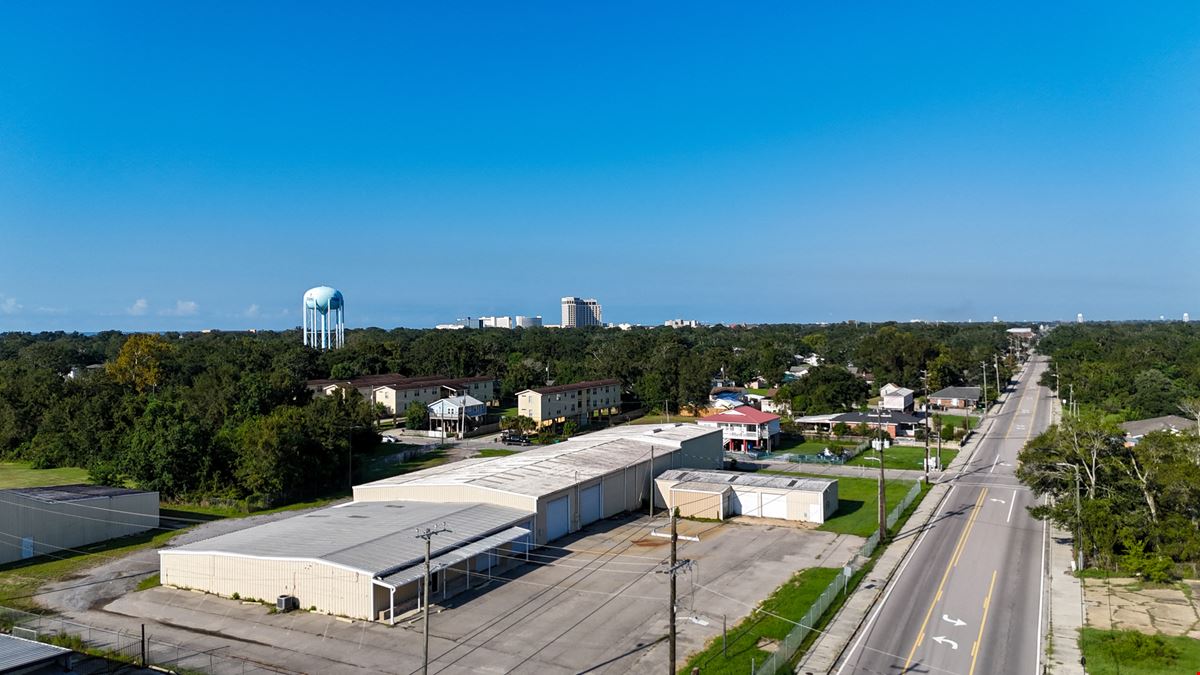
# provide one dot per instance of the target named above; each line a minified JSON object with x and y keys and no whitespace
{"x":945,"y":640}
{"x":956,"y":622}
{"x":994,"y":463}
{"x":1037,"y":663}
{"x":1010,"y":507}
{"x":993,"y":499}
{"x":894,"y":583}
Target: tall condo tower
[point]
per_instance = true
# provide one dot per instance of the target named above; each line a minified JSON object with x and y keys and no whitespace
{"x":324,"y":318}
{"x":580,"y":312}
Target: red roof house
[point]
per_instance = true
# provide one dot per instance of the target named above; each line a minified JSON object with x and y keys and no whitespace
{"x":745,"y":428}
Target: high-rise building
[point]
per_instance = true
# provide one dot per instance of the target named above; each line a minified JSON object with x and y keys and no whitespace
{"x":580,"y":312}
{"x":1079,"y":318}
{"x":1186,"y":318}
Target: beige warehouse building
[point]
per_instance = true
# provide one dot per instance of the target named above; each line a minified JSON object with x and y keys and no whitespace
{"x":361,"y":560}
{"x":567,"y":485}
{"x":46,"y":520}
{"x":722,"y":494}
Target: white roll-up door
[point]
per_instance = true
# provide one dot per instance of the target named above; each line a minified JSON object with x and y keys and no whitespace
{"x":558,"y":518}
{"x":774,"y":506}
{"x":747,"y":502}
{"x":590,"y":504}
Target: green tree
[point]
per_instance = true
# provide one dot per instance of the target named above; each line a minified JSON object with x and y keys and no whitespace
{"x":416,"y":416}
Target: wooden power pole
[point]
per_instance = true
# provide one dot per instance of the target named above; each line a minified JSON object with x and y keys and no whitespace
{"x":427,"y":534}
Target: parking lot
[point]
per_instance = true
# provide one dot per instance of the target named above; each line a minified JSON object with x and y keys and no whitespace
{"x":593,"y":603}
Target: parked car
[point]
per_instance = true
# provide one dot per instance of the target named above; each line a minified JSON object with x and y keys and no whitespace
{"x":514,"y":439}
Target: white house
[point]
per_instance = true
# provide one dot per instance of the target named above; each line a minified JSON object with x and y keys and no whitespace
{"x":745,"y":428}
{"x":896,"y":397}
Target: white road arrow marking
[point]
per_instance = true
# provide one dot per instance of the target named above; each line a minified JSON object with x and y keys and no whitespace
{"x":956,"y":622}
{"x":993,"y":499}
{"x":944,"y":640}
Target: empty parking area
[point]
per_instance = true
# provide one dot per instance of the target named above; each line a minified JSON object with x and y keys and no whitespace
{"x":592,"y":603}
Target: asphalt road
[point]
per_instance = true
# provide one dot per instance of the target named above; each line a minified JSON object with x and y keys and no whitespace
{"x":970,"y":596}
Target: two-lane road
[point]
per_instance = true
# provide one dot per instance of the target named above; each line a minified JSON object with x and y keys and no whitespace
{"x":969,"y":597}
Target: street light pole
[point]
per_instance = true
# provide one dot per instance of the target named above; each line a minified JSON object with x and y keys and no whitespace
{"x":882,"y":489}
{"x":983,"y":366}
{"x":925,"y":383}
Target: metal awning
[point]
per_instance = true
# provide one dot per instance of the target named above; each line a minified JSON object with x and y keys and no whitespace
{"x":465,"y":552}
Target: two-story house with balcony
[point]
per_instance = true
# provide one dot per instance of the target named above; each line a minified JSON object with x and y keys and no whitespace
{"x":745,"y":428}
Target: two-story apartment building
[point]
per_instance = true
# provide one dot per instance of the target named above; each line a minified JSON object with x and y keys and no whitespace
{"x":396,"y":392}
{"x":745,"y":428}
{"x":577,"y":402}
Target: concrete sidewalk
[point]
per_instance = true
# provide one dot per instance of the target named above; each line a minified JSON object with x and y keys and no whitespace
{"x":1067,"y":613}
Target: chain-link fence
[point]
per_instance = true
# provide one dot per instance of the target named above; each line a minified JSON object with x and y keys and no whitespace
{"x":126,"y":645}
{"x":780,"y":660}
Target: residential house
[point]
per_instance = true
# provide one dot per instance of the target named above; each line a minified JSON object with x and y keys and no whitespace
{"x":1136,"y":429}
{"x":896,"y":398}
{"x":962,"y":398}
{"x":898,"y":424}
{"x":456,"y":414}
{"x":745,"y":428}
{"x":396,"y":392}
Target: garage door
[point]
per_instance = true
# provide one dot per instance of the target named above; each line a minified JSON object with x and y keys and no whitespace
{"x":589,"y":504}
{"x":746,"y":502}
{"x":774,"y":506}
{"x":558,"y":518}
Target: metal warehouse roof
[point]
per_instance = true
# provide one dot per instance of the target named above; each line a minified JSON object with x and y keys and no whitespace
{"x":738,"y":479}
{"x":707,"y":488}
{"x":16,"y":653}
{"x":71,"y":493}
{"x":374,"y":538}
{"x":545,"y":470}
{"x":456,"y":556}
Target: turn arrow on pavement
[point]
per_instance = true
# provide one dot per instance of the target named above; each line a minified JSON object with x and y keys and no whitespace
{"x":956,"y":622}
{"x":945,"y":640}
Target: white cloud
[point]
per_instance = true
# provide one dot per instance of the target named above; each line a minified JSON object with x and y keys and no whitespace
{"x":51,"y":310}
{"x":9,"y":305}
{"x":138,"y":308}
{"x":252,"y":311}
{"x":182,"y":308}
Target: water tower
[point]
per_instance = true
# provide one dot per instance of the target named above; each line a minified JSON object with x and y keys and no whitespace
{"x":324,"y":318}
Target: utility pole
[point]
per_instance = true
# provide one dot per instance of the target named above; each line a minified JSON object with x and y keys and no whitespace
{"x":882,"y":489}
{"x":983,"y":366}
{"x":652,"y":481}
{"x":999,"y":389}
{"x":427,"y":534}
{"x":676,"y":567}
{"x":925,"y":383}
{"x":1071,"y":406}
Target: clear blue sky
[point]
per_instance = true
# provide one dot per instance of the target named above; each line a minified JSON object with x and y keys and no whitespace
{"x":170,"y":165}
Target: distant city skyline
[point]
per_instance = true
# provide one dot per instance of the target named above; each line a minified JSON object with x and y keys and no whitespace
{"x":178,"y":167}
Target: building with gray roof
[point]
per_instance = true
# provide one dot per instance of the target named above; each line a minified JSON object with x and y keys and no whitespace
{"x":48,"y":520}
{"x":567,"y":485}
{"x":1136,"y":429}
{"x":359,"y":560}
{"x":18,"y":655}
{"x":721,"y":494}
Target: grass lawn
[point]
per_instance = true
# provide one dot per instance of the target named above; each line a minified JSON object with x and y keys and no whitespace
{"x":799,"y":447}
{"x":758,"y":392}
{"x":661,"y":419}
{"x":510,"y":411}
{"x":384,"y":463}
{"x":903,"y":457}
{"x":496,"y":452}
{"x":858,"y":502}
{"x":940,"y":419}
{"x":790,"y":600}
{"x":1131,"y":653}
{"x":18,"y":474}
{"x":20,"y":580}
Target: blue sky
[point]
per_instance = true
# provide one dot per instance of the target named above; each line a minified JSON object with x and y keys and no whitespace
{"x":192,"y":165}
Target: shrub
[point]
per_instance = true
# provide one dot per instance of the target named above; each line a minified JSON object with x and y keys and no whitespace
{"x":1135,"y":647}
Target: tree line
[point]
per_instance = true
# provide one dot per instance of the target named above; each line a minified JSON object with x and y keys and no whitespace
{"x":228,"y":414}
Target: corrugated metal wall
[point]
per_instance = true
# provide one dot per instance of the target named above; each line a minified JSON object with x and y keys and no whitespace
{"x":54,"y":526}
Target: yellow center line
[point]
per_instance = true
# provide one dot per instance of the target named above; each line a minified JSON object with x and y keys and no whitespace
{"x":962,"y":542}
{"x":987,"y":602}
{"x":970,"y":526}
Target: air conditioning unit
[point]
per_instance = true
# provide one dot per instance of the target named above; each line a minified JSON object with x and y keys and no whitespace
{"x":286,"y":603}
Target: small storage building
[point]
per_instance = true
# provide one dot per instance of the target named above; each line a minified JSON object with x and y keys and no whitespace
{"x":566,"y":485}
{"x":721,"y":494}
{"x":361,"y":560}
{"x":46,"y":520}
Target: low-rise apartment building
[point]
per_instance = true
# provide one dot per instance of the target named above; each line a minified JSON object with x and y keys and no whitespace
{"x":396,"y":392}
{"x":577,"y":402}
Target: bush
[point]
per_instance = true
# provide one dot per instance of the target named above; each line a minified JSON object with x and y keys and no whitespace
{"x":1135,"y":647}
